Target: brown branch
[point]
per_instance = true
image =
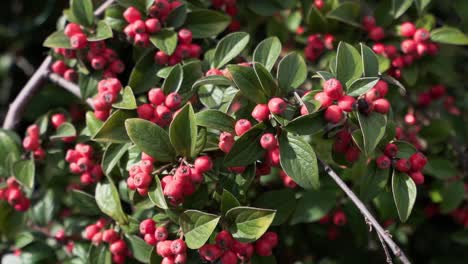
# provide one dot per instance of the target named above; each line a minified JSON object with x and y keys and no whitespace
{"x":365,"y":212}
{"x":16,"y":109}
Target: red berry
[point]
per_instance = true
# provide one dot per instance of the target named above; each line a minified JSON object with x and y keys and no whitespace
{"x":333,"y":114}
{"x":339,"y":218}
{"x":277,"y":106}
{"x":139,"y":27}
{"x":146,"y":166}
{"x":174,"y":190}
{"x":437,"y":91}
{"x":383,"y":162}
{"x":346,"y":103}
{"x":147,"y":226}
{"x":333,"y":89}
{"x":173,"y":100}
{"x":131,"y":14}
{"x":110,"y":236}
{"x":164,"y":115}
{"x":131,"y":184}
{"x":214,"y":71}
{"x":210,"y":252}
{"x":381,"y":87}
{"x":408,"y":46}
{"x":79,"y":41}
{"x":272,"y":238}
{"x":142,"y":180}
{"x":112,"y":85}
{"x":391,"y":150}
{"x":182,"y":173}
{"x":417,"y":177}
{"x":98,"y":63}
{"x":58,"y":119}
{"x":161,"y":233}
{"x":368,"y":22}
{"x":141,"y":40}
{"x":163,"y":248}
{"x":226,"y":141}
{"x":203,"y":164}
{"x":224,"y":240}
{"x":168,"y":260}
{"x":242,"y":126}
{"x":119,"y":247}
{"x":263,"y":248}
{"x":381,"y":105}
{"x":376,"y":33}
{"x":102,"y":115}
{"x":161,"y":58}
{"x":196,"y":176}
{"x":185,"y":36}
{"x":421,"y":49}
{"x":72,"y":29}
{"x":324,"y":100}
{"x":319,"y":4}
{"x":407,"y":29}
{"x":150,"y":239}
{"x":272,"y":157}
{"x":421,"y":35}
{"x":418,"y":161}
{"x":91,"y":230}
{"x":117,"y":66}
{"x":145,"y":111}
{"x":178,"y":246}
{"x":378,"y":48}
{"x":268,"y":141}
{"x":352,"y":154}
{"x":118,"y":259}
{"x":403,"y":165}
{"x":59,"y":67}
{"x":261,"y":112}
{"x":180,"y":258}
{"x":156,"y":96}
{"x":244,"y":251}
{"x":30,"y":144}
{"x":70,"y":75}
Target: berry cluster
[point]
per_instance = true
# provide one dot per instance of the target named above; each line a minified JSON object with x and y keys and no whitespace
{"x":374,"y":101}
{"x":78,"y":39}
{"x":374,"y":32}
{"x":81,"y":162}
{"x":437,"y":92}
{"x":412,"y":166}
{"x":183,"y":182}
{"x":32,"y":142}
{"x":185,"y":49}
{"x":161,"y":108}
{"x":14,"y":196}
{"x":152,"y":234}
{"x":140,"y":175}
{"x":108,"y":91}
{"x":337,"y":219}
{"x":344,"y":144}
{"x":139,"y":31}
{"x":57,"y":120}
{"x":117,"y":246}
{"x":61,"y":68}
{"x":230,"y":8}
{"x":228,"y":250}
{"x":316,"y":45}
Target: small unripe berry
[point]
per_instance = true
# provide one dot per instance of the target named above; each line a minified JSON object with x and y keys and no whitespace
{"x":407,"y":29}
{"x":268,"y":141}
{"x":261,"y":112}
{"x":242,"y":126}
{"x":324,"y":100}
{"x":383,"y":162}
{"x":403,"y":165}
{"x":381,"y":105}
{"x":203,"y":164}
{"x":277,"y":106}
{"x":333,"y":114}
{"x":333,"y":89}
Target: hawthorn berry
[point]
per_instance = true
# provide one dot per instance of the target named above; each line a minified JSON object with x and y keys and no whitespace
{"x":391,"y":150}
{"x":182,"y":173}
{"x":72,"y":29}
{"x":147,"y":226}
{"x":59,"y":67}
{"x":346,"y":103}
{"x":110,"y":236}
{"x":417,"y":177}
{"x":178,"y":246}
{"x":324,"y":99}
{"x":173,"y":101}
{"x":421,"y":35}
{"x":119,"y":247}
{"x":268,"y":141}
{"x":228,"y":257}
{"x":185,"y":36}
{"x":203,"y":164}
{"x":333,"y":114}
{"x":210,"y":252}
{"x":381,"y":105}
{"x":242,"y":126}
{"x":383,"y":162}
{"x":403,"y":165}
{"x":377,"y":33}
{"x":407,"y":29}
{"x":277,"y":106}
{"x":333,"y":88}
{"x":418,"y":161}
{"x":78,"y":41}
{"x":261,"y":112}
{"x":163,"y":248}
{"x":224,"y":240}
{"x":131,"y":14}
{"x":161,"y":233}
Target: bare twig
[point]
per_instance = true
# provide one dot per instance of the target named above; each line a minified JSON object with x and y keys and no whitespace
{"x":69,"y":86}
{"x":378,"y":228}
{"x":387,"y":254}
{"x":34,"y":84}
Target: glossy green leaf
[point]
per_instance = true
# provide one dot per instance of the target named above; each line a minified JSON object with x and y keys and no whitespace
{"x":440,"y":168}
{"x":85,"y":202}
{"x":99,"y":255}
{"x":173,"y":82}
{"x":57,"y":39}
{"x":452,"y":196}
{"x":113,"y":130}
{"x":213,"y":80}
{"x":157,"y":196}
{"x":247,"y":149}
{"x":315,"y":20}
{"x":141,"y":251}
{"x":93,"y":123}
{"x":361,"y":86}
{"x":307,"y":124}
{"x":348,"y":63}
{"x":206,"y":23}
{"x":247,"y":82}
{"x":399,"y":7}
{"x":82,"y":11}
{"x":144,"y":74}
{"x":103,"y":31}
{"x":108,"y":200}
{"x":215,"y":119}
{"x":64,"y":130}
{"x":112,"y":156}
{"x":228,"y":201}
{"x":183,"y":131}
{"x":229,"y":48}
{"x":347,"y":12}
{"x":373,"y":129}
{"x":24,"y":172}
{"x":449,"y":35}
{"x":165,"y":40}
{"x":127,"y":100}
{"x":370,"y":63}
{"x":313,"y":205}
{"x":373,"y":182}
{"x":267,"y":81}
{"x":404,"y":194}
{"x":267,"y":52}
{"x":197,"y":227}
{"x":283,"y":201}
{"x":177,"y":16}
{"x":248,"y":224}
{"x":292,"y":72}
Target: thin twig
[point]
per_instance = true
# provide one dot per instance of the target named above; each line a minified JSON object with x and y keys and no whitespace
{"x":378,"y":228}
{"x":69,"y":86}
{"x":387,"y":254}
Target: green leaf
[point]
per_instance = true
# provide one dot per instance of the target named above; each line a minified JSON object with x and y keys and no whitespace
{"x":267,"y":52}
{"x":421,"y":5}
{"x":82,"y":11}
{"x":248,"y":224}
{"x":405,"y":149}
{"x":449,"y":35}
{"x":144,"y":74}
{"x":114,"y":17}
{"x":215,"y":119}
{"x":157,"y":196}
{"x":99,"y":255}
{"x":113,"y":130}
{"x":103,"y":31}
{"x":247,"y":82}
{"x":183,"y":131}
{"x":206,"y":23}
{"x":197,"y":227}
{"x":24,"y":172}
{"x":247,"y":149}
{"x":88,"y":84}
{"x":165,"y":40}
{"x":460,"y":237}
{"x":44,"y":210}
{"x":399,"y":7}
{"x":348,"y":63}
{"x":347,"y":12}
{"x":174,"y":80}
{"x":85,"y":202}
{"x":440,"y":168}
{"x":212,"y":80}
{"x":292,"y":72}
{"x":373,"y":182}
{"x":370,"y":62}
{"x":64,"y":130}
{"x":324,"y":75}
{"x":410,"y":74}
{"x":177,"y":16}
{"x":230,"y":47}
{"x":404,"y":194}
{"x":192,"y":72}
{"x":373,"y":129}
{"x":307,"y":124}
{"x":283,"y":201}
{"x":298,"y":160}
{"x":9,"y":151}
{"x":107,"y":199}
{"x":361,"y":86}
{"x":150,"y":138}
{"x":228,"y":201}
{"x":112,"y":156}
{"x":313,"y":205}
{"x":141,"y":251}
{"x":127,"y":100}
{"x":266,"y":80}
{"x":452,"y":196}
{"x":315,"y":20}
{"x":57,"y":39}
{"x":92,"y":123}
{"x":264,"y":7}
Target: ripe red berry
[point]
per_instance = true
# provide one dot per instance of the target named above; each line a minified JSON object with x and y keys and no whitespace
{"x":142,"y":180}
{"x":70,"y":75}
{"x":30,"y":143}
{"x":339,"y":218}
{"x":168,"y":260}
{"x":72,"y":29}
{"x":242,"y":126}
{"x":150,"y":239}
{"x":244,"y":251}
{"x":324,"y":99}
{"x":141,"y":40}
{"x":346,"y":103}
{"x":156,"y":96}
{"x":403,"y":165}
{"x":417,"y":177}
{"x":203,"y":164}
{"x":180,"y":258}
{"x":224,"y":240}
{"x":383,"y":162}
{"x":377,"y":33}
{"x":161,"y":58}
{"x":131,"y":14}
{"x":79,"y":41}
{"x":178,"y":246}
{"x":59,"y":67}
{"x":173,"y":100}
{"x":161,"y":233}
{"x":437,"y":91}
{"x":382,"y":88}
{"x":407,"y":29}
{"x":368,"y":22}
{"x":333,"y":88}
{"x":57,"y":120}
{"x":226,"y":141}
{"x":210,"y":252}
{"x":119,"y":247}
{"x":352,"y":154}
{"x":268,"y":141}
{"x":421,"y":49}
{"x":228,"y":257}
{"x":196,"y":176}
{"x":174,"y":190}
{"x":261,"y":112}
{"x":333,"y":114}
{"x":91,"y":230}
{"x":110,"y":236}
{"x":139,"y":27}
{"x":391,"y":150}
{"x":381,"y":105}
{"x":102,"y":115}
{"x":163,"y":115}
{"x":408,"y":46}
{"x":145,"y":111}
{"x":152,"y":25}
{"x":263,"y":248}
{"x":271,"y":238}
{"x":97,"y":239}
{"x":418,"y":161}
{"x":182,"y":173}
{"x":378,"y":48}
{"x":421,"y":35}
{"x":272,"y":157}
{"x":277,"y":106}
{"x":98,"y":63}
{"x":185,"y":36}
{"x":163,"y":248}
